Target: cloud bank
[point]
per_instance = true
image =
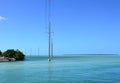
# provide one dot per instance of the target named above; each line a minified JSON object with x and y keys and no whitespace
{"x":2,"y":18}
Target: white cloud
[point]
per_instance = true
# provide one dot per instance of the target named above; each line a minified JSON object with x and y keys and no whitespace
{"x":2,"y":18}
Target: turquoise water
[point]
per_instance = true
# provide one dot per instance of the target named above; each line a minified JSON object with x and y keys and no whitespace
{"x":63,"y":69}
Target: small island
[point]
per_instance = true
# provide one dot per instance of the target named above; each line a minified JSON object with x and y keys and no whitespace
{"x":11,"y":55}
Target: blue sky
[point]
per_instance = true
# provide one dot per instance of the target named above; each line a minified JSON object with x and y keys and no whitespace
{"x":79,"y":26}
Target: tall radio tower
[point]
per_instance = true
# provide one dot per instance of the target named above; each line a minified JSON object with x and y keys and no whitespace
{"x":49,"y":30}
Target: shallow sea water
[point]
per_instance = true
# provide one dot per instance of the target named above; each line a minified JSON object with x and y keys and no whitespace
{"x":62,"y":69}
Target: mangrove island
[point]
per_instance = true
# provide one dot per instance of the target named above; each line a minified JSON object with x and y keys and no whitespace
{"x":11,"y":55}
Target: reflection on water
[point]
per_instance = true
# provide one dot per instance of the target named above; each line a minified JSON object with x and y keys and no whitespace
{"x":70,"y":69}
{"x":49,"y":72}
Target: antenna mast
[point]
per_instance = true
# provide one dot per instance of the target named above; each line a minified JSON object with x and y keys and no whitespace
{"x":49,"y":30}
{"x":51,"y":48}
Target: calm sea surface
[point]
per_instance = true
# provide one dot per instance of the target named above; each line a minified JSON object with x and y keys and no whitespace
{"x":62,"y":69}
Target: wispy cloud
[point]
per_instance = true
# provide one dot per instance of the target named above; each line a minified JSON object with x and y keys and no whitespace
{"x":2,"y":18}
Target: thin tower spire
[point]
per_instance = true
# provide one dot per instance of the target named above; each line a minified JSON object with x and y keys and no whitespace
{"x":51,"y":48}
{"x":49,"y":30}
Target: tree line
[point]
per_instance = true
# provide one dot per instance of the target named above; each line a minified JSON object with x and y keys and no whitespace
{"x":11,"y":53}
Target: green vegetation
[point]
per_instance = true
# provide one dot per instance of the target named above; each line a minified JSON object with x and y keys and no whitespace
{"x":16,"y":54}
{"x":0,"y":53}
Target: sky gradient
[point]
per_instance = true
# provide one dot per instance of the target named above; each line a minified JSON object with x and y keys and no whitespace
{"x":78,"y":26}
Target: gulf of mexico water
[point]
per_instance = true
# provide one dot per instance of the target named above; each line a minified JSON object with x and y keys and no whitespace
{"x":62,"y":69}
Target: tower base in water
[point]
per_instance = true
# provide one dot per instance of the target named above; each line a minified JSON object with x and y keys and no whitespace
{"x":49,"y":60}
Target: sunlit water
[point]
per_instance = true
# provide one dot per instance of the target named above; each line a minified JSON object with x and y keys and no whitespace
{"x":62,"y":69}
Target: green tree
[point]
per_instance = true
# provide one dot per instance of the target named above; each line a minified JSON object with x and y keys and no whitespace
{"x":0,"y":53}
{"x":19,"y":55}
{"x":11,"y":53}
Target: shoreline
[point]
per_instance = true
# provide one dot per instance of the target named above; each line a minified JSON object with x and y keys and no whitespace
{"x":6,"y":59}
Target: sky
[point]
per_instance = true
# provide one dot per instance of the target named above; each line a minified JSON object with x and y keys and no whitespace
{"x":78,"y":26}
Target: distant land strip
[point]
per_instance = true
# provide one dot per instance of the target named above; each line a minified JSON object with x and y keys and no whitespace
{"x":92,"y":54}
